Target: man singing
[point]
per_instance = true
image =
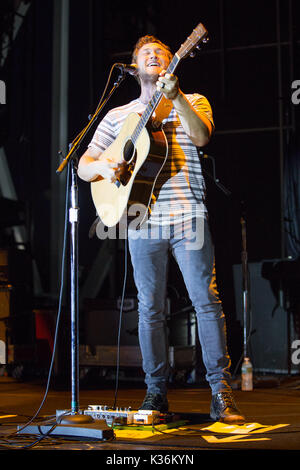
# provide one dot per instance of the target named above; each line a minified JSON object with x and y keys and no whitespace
{"x":178,"y":218}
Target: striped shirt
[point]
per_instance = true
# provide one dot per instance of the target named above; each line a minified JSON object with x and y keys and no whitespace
{"x":179,"y":192}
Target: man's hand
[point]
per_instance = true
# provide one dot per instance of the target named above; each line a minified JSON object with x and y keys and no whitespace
{"x":92,"y":169}
{"x":196,"y":126}
{"x":168,"y":84}
{"x":107,"y":169}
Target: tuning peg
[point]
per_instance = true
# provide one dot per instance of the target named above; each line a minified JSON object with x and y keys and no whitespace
{"x":205,"y":40}
{"x":192,"y":54}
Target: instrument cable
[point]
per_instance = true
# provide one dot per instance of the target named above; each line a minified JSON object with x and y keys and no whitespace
{"x":62,"y":283}
{"x":120,"y":317}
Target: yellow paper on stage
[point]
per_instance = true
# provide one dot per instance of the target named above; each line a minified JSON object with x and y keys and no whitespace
{"x":242,"y":428}
{"x":140,"y":433}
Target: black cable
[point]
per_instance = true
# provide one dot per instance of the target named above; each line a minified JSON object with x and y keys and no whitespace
{"x":39,"y":439}
{"x":120,"y":317}
{"x":56,"y":328}
{"x":93,"y":118}
{"x":59,"y":307}
{"x":63,"y":260}
{"x":58,"y":314}
{"x":55,"y":335}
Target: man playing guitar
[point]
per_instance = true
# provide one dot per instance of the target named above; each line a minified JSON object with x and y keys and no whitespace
{"x":178,"y":224}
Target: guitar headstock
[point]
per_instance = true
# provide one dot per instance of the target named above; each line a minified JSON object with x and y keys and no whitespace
{"x":199,"y":35}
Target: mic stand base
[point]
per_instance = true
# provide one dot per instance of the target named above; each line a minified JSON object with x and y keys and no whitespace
{"x":77,"y":427}
{"x":92,"y":431}
{"x":76,"y":418}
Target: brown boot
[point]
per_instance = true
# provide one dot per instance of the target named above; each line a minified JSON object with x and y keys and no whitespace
{"x":224,"y":409}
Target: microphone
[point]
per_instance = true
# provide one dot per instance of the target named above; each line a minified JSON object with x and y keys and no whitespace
{"x":132,"y":68}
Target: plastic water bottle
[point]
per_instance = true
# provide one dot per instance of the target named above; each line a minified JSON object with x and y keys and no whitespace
{"x":247,"y":375}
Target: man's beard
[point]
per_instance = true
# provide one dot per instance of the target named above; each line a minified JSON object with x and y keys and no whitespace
{"x":146,"y":78}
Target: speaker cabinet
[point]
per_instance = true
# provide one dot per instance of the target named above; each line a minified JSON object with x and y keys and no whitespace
{"x":99,"y":336}
{"x":100,"y":323}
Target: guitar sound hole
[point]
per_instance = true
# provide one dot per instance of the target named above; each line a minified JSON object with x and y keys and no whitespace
{"x":129,"y":151}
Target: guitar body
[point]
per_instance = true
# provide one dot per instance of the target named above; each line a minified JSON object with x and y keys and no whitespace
{"x":142,"y":165}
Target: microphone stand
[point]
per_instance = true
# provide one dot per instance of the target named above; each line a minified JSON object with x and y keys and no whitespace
{"x":244,"y":259}
{"x":214,"y":176}
{"x":75,"y":417}
{"x":244,"y":256}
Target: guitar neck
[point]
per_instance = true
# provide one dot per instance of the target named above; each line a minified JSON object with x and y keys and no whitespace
{"x":153,"y":103}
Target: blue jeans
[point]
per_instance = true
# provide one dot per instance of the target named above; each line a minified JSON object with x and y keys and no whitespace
{"x":193,"y":251}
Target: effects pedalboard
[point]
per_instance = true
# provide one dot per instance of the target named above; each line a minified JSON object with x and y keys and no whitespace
{"x":121,"y":416}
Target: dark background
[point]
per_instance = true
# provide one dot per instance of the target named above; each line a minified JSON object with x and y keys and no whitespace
{"x":246,"y":71}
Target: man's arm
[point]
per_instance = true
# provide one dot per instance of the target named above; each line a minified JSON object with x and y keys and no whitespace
{"x":92,"y":168}
{"x":196,"y":125}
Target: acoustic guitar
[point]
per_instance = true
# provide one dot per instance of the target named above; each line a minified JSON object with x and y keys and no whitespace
{"x":141,"y":149}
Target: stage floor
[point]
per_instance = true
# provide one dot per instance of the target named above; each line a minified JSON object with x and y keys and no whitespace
{"x":272,"y":413}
